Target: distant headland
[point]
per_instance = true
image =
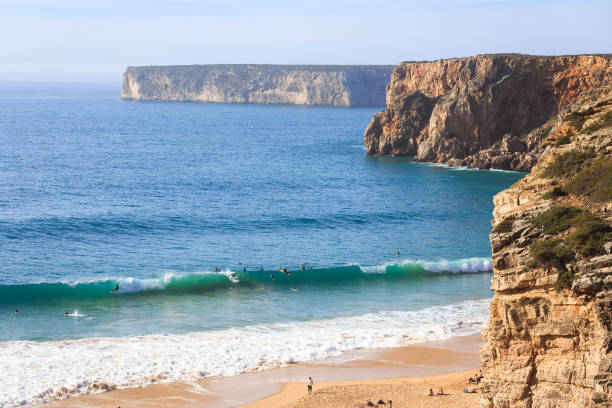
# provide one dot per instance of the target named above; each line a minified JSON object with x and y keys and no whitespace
{"x":331,"y":85}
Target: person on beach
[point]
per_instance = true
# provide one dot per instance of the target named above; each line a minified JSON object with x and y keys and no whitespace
{"x":116,"y":289}
{"x":441,"y":392}
{"x":431,"y":393}
{"x":310,"y":382}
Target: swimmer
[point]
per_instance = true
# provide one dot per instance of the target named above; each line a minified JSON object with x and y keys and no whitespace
{"x":303,"y":267}
{"x":243,"y":269}
{"x":294,"y":289}
{"x":16,"y":311}
{"x":397,"y":254}
{"x":217,"y":269}
{"x":114,"y":290}
{"x":261,"y":269}
{"x":272,"y":276}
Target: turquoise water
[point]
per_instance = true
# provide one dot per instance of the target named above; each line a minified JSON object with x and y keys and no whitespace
{"x":95,"y":192}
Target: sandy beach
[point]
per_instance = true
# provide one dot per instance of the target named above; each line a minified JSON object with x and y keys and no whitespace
{"x":402,"y":392}
{"x":403,"y":375}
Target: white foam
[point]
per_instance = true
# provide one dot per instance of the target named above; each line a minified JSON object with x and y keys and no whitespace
{"x":92,"y":365}
{"x":467,"y":265}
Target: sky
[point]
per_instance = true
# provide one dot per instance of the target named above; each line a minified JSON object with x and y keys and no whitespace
{"x":95,"y":40}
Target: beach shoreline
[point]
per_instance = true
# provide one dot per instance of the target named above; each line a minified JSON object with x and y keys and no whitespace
{"x":408,"y":369}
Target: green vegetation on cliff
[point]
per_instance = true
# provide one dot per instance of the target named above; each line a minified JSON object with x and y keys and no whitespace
{"x":587,"y":238}
{"x":504,"y":226}
{"x":595,"y":179}
{"x":585,"y":174}
{"x":567,"y":164}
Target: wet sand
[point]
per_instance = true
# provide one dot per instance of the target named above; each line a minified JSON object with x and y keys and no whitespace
{"x":399,"y":374}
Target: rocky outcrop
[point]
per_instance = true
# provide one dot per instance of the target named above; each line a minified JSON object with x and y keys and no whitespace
{"x":548,"y":342}
{"x":485,"y":111}
{"x":335,"y":85}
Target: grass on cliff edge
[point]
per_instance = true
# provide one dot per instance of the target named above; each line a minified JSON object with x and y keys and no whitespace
{"x":588,"y":238}
{"x":604,"y":120}
{"x":504,"y":226}
{"x":586,"y":174}
{"x":594,"y":180}
{"x":554,"y":193}
{"x":556,"y":220}
{"x":567,"y":164}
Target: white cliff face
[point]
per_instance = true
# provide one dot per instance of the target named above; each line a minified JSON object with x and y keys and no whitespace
{"x":261,"y":84}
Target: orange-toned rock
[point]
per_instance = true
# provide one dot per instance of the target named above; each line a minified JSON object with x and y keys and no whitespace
{"x":545,"y":347}
{"x":485,"y":111}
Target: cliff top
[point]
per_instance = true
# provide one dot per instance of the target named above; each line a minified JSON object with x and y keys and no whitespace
{"x":270,"y":67}
{"x":509,"y":55}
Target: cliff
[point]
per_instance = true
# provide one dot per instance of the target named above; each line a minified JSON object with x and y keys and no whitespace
{"x":336,"y":85}
{"x":486,"y":111}
{"x":548,"y":342}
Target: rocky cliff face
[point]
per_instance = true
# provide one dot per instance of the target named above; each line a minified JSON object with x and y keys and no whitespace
{"x":484,"y":111}
{"x":279,"y":84}
{"x":548,"y":342}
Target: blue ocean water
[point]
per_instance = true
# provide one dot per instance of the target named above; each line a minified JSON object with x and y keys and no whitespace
{"x":95,"y":192}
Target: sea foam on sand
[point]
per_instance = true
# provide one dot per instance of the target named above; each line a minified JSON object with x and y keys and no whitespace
{"x":44,"y":371}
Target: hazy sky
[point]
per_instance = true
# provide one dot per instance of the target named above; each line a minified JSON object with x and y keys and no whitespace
{"x":95,"y":40}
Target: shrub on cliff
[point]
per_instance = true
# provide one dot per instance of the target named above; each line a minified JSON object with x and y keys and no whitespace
{"x":556,"y":220}
{"x":504,"y":226}
{"x":567,"y":164}
{"x":564,"y":281}
{"x":587,"y":238}
{"x":554,"y":193}
{"x":575,"y":119}
{"x":590,"y":235}
{"x":551,"y":252}
{"x":562,"y":140}
{"x":604,"y":120}
{"x":595,"y":179}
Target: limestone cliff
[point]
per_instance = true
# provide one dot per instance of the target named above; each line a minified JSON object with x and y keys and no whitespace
{"x":548,"y":342}
{"x":484,"y":111}
{"x":336,"y":85}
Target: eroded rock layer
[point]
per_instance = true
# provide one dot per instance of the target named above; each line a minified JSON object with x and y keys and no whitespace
{"x":336,"y":85}
{"x":548,"y":342}
{"x":483,"y":111}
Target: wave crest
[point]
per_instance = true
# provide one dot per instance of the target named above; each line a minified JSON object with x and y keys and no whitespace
{"x":211,"y":280}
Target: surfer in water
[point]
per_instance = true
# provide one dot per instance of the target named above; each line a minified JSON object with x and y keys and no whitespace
{"x":114,"y":290}
{"x":285,"y":271}
{"x":16,"y":311}
{"x":303,"y":267}
{"x":217,"y":269}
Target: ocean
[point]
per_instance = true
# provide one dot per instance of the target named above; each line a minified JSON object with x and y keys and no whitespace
{"x":191,"y":210}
